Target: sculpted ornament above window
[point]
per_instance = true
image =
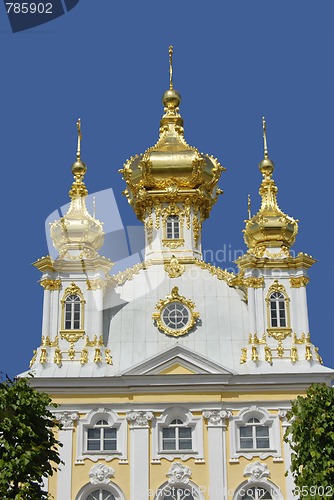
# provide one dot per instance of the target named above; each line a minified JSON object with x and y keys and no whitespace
{"x":101,"y":474}
{"x":178,"y":473}
{"x":256,"y":471}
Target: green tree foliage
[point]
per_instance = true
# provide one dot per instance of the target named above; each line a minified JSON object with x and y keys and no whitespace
{"x":311,"y":437}
{"x":28,"y":448}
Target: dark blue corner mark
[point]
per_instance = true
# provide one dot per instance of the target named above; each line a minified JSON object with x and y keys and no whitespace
{"x":24,"y":15}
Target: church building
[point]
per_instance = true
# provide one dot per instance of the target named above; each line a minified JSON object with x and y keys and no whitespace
{"x":174,"y":377}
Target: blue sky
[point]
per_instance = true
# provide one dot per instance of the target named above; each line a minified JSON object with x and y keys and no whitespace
{"x":107,"y":62}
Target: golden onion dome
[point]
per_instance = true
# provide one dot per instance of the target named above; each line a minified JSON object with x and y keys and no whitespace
{"x":171,"y":168}
{"x":78,"y":234}
{"x":269,"y":227}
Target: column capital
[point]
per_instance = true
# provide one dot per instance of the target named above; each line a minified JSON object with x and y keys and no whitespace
{"x":67,"y":419}
{"x":217,"y":418}
{"x":139,"y":419}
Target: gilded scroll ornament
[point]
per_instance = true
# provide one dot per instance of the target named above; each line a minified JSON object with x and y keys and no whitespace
{"x":97,"y":355}
{"x":299,"y":281}
{"x":108,"y":357}
{"x":173,"y":268}
{"x":57,"y":356}
{"x":49,"y":284}
{"x":84,"y":356}
{"x":33,"y":359}
{"x":243,"y":357}
{"x":44,"y":357}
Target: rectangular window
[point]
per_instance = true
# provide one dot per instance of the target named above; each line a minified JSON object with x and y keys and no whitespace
{"x":262,"y":437}
{"x":93,"y":440}
{"x":110,"y":439}
{"x":168,"y":439}
{"x":246,"y":439}
{"x":282,"y":314}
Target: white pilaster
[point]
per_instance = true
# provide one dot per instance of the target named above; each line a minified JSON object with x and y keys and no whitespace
{"x":98,"y":304}
{"x":260,"y":311}
{"x":55,"y":312}
{"x":251,"y":310}
{"x":216,"y":425}
{"x":46,"y":329}
{"x":64,"y":475}
{"x":289,"y":482}
{"x":302,"y":306}
{"x":139,"y":454}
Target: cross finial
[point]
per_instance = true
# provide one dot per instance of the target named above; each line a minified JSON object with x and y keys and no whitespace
{"x":170,"y":50}
{"x":249,"y":206}
{"x":265,"y":145}
{"x":79,"y":138}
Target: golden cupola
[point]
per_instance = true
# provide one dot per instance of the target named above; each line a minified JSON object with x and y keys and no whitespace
{"x":77,"y":235}
{"x":269,"y":228}
{"x":172,"y":171}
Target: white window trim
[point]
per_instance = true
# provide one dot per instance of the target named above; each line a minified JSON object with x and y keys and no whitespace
{"x":88,"y":422}
{"x":175,"y":225}
{"x":267,"y":484}
{"x":271,"y":421}
{"x":89,"y":488}
{"x":195,"y":423}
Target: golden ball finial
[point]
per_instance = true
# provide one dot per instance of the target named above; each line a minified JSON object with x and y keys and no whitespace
{"x":171,"y":99}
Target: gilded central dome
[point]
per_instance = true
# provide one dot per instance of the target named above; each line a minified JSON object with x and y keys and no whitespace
{"x":172,"y":168}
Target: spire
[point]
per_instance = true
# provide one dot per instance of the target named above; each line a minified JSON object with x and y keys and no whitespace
{"x":266,"y":166}
{"x":79,"y":140}
{"x":170,"y":67}
{"x":270,"y":227}
{"x":171,"y":100}
{"x":79,"y":169}
{"x":265,"y":145}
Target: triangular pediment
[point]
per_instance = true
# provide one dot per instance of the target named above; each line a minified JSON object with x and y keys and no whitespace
{"x":177,"y":360}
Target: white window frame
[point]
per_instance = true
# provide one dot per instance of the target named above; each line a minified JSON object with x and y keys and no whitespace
{"x":253,"y":437}
{"x":72,"y":300}
{"x":89,"y":488}
{"x":174,"y":221}
{"x":265,"y":418}
{"x":101,"y":439}
{"x":179,"y":424}
{"x":189,"y":420}
{"x":88,"y":422}
{"x":277,"y":301}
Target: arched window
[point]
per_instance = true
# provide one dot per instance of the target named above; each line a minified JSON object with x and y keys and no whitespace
{"x":72,"y":312}
{"x":173,"y":227}
{"x":277,"y":310}
{"x":102,"y":437}
{"x":255,"y":493}
{"x":179,"y":491}
{"x":254,"y":435}
{"x":175,"y":493}
{"x":100,"y":492}
{"x":177,"y":436}
{"x":255,"y":432}
{"x":278,"y":313}
{"x":72,"y":323}
{"x":100,"y":495}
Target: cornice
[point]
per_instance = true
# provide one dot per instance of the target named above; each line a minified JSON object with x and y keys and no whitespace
{"x":302,"y":261}
{"x":44,"y":264}
{"x":161,"y":384}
